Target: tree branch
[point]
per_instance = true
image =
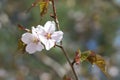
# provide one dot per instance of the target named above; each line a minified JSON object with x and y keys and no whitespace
{"x":55,"y":15}
{"x":53,"y":64}
{"x":71,"y":65}
{"x":61,"y":47}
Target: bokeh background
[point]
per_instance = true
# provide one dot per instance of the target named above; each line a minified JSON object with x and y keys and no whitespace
{"x":87,"y":24}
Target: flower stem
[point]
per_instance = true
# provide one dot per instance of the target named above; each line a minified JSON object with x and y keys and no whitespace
{"x":71,"y":65}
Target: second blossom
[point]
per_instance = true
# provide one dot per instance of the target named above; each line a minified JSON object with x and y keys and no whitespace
{"x":48,"y":36}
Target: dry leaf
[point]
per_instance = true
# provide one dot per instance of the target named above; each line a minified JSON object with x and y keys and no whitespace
{"x":94,"y":58}
{"x":77,"y":56}
{"x":21,"y":46}
{"x":99,"y":61}
{"x":66,"y":78}
{"x":43,"y":7}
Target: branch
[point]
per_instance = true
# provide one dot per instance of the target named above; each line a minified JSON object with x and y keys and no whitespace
{"x":53,"y":64}
{"x":114,"y":5}
{"x":71,"y":65}
{"x":55,"y":15}
{"x":61,"y":47}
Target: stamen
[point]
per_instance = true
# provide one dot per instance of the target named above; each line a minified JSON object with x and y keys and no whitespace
{"x":35,"y":41}
{"x":48,"y":35}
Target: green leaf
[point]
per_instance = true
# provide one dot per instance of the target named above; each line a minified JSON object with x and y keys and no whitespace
{"x":84,"y":55}
{"x":80,"y":57}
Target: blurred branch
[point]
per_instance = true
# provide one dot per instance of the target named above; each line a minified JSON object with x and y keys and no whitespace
{"x":53,"y":64}
{"x":115,"y":5}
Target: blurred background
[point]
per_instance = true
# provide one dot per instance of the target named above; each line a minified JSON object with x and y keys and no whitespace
{"x":87,"y":24}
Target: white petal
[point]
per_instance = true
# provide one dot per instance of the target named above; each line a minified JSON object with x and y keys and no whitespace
{"x":41,"y":30}
{"x":27,"y":38}
{"x":33,"y":29}
{"x":49,"y":26}
{"x":34,"y":32}
{"x":57,"y":36}
{"x":43,"y":39}
{"x":39,"y":47}
{"x":39,"y":26}
{"x":31,"y":48}
{"x":49,"y":44}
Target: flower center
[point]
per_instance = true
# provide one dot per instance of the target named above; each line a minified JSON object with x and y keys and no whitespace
{"x":48,"y":35}
{"x":35,"y":40}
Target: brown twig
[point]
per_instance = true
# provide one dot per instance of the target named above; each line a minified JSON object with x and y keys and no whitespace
{"x":71,"y":65}
{"x":55,"y":15}
{"x":60,"y":46}
{"x":23,"y":28}
{"x":32,"y":5}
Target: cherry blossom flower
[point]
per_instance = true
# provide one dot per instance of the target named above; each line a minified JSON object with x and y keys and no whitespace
{"x":32,"y":40}
{"x":48,"y":36}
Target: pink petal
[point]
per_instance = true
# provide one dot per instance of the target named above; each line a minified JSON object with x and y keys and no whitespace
{"x":39,"y":26}
{"x":33,"y":29}
{"x":34,"y":32}
{"x":41,"y":30}
{"x":49,"y":44}
{"x":39,"y":47}
{"x":31,"y":48}
{"x":27,"y":38}
{"x":43,"y":39}
{"x":49,"y":26}
{"x":57,"y":36}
